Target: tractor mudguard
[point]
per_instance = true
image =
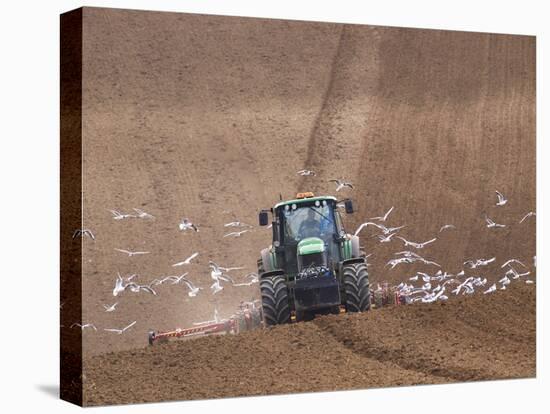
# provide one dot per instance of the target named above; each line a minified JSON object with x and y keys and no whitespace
{"x":276,"y":272}
{"x":355,"y":249}
{"x":267,"y":259}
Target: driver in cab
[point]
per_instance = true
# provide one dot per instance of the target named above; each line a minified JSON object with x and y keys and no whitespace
{"x":313,"y":225}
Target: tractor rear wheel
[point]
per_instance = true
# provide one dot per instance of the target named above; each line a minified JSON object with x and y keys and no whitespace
{"x":356,"y":287}
{"x":275,"y":303}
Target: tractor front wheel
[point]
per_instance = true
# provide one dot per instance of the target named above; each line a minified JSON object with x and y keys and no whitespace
{"x":275,"y":303}
{"x":356,"y":286}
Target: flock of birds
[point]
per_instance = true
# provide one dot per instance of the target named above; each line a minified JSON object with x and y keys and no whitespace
{"x":435,"y":286}
{"x":219,"y":274}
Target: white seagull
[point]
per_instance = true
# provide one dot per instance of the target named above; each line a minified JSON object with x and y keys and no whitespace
{"x":384,"y":217}
{"x":446,"y":226}
{"x":236,"y":224}
{"x":121,"y":287}
{"x":235,"y":233}
{"x":491,"y":223}
{"x":217,"y":275}
{"x":341,"y":184}
{"x":252,"y":278}
{"x":193,"y":290}
{"x":513,"y":261}
{"x":186,"y":224}
{"x":121,"y":331}
{"x":117,"y":215}
{"x":530,"y":214}
{"x":491,"y":289}
{"x":479,"y":262}
{"x":130,"y":253}
{"x":83,"y":232}
{"x":142,"y":214}
{"x":501,"y":199}
{"x":86,"y":325}
{"x":385,"y":238}
{"x":110,"y":308}
{"x":306,"y":172}
{"x":416,"y":245}
{"x":186,"y":261}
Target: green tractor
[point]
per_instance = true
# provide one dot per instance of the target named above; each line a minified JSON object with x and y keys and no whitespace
{"x":312,"y":266}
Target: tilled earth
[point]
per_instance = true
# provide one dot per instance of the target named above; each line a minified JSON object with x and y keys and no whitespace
{"x":210,"y":118}
{"x":466,"y":339}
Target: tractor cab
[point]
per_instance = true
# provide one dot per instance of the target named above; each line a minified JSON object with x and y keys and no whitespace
{"x":307,"y":230}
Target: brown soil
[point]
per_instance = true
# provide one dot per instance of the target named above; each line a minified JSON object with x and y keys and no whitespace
{"x":468,"y":339}
{"x":188,"y":116}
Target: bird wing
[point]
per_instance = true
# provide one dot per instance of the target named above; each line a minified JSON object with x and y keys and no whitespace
{"x":191,"y":257}
{"x":227,"y":278}
{"x":129,"y":326}
{"x":388,"y":213}
{"x":148,"y":289}
{"x":228,"y":269}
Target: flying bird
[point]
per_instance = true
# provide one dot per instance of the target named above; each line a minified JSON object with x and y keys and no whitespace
{"x":341,"y":184}
{"x":491,"y":289}
{"x":187,"y":225}
{"x":501,"y":199}
{"x":193,"y":290}
{"x":110,"y":308}
{"x":83,"y":232}
{"x":384,"y":217}
{"x":513,"y":261}
{"x":117,"y":215}
{"x":491,"y":223}
{"x":236,"y":224}
{"x":235,"y":233}
{"x":138,"y":288}
{"x":381,"y":227}
{"x":121,"y":287}
{"x":306,"y":172}
{"x":479,"y":262}
{"x":388,"y":230}
{"x":121,"y":331}
{"x":531,"y":213}
{"x":515,"y":274}
{"x":186,"y":261}
{"x":416,"y":245}
{"x":142,"y":214}
{"x":505,"y":281}
{"x":252,"y":279}
{"x":156,"y":282}
{"x":86,"y":325}
{"x":446,"y":226}
{"x":385,"y":238}
{"x":130,"y":253}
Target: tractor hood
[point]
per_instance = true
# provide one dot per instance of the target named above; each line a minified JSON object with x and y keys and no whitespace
{"x":311,"y":245}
